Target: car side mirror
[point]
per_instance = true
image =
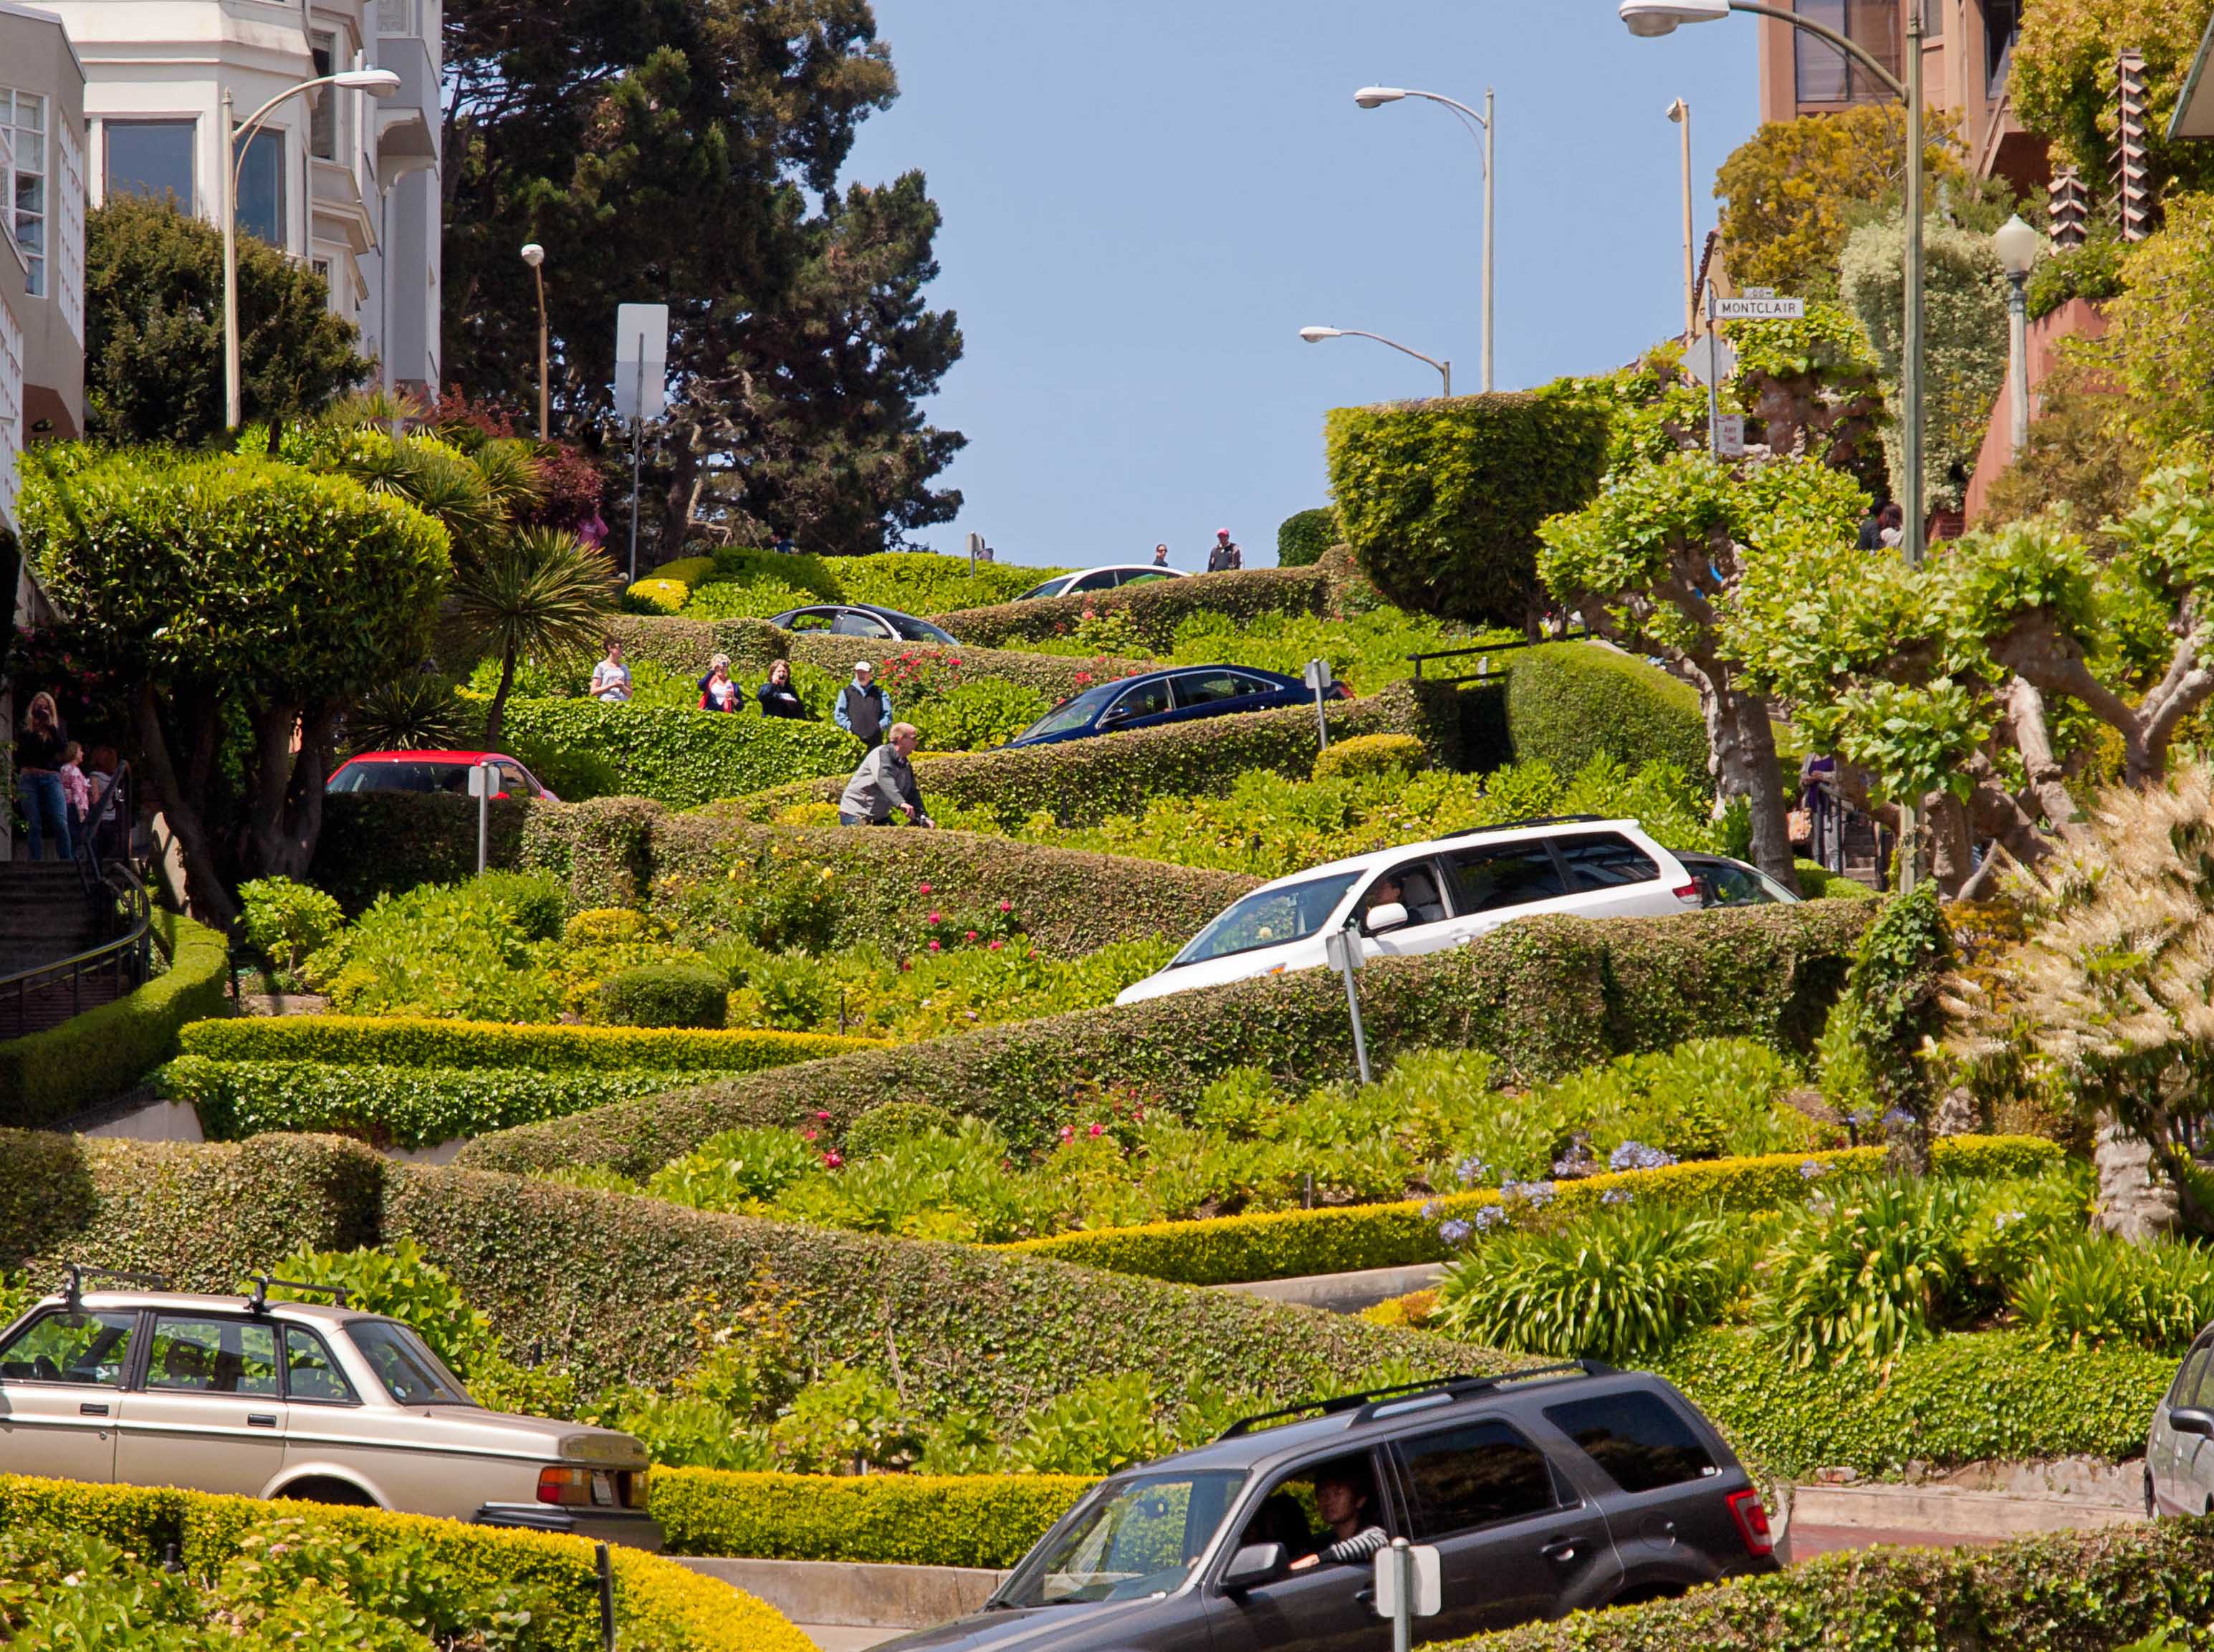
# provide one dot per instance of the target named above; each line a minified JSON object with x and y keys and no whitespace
{"x":1254,"y":1564}
{"x":1390,"y":915}
{"x":2192,"y":1420}
{"x":1113,"y":715}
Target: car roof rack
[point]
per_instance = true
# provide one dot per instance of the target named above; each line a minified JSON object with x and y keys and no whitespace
{"x":258,"y":1302}
{"x":1366,"y":1404}
{"x":1532,"y":820}
{"x":78,"y":1274}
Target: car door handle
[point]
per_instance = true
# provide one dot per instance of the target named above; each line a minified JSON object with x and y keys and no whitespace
{"x":260,"y":1420}
{"x":1365,"y":1597}
{"x":90,"y":1408}
{"x":1561,"y":1549}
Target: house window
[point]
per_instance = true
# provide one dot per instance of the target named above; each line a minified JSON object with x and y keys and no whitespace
{"x":1826,"y":75}
{"x":151,"y":157}
{"x":323,"y":122}
{"x":24,"y":116}
{"x":261,"y":186}
{"x":2002,"y":27}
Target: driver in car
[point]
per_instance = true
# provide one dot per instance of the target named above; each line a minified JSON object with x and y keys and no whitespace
{"x":1386,"y":892}
{"x":1343,"y":1505}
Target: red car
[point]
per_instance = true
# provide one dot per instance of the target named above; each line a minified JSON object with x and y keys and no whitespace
{"x":433,"y":771}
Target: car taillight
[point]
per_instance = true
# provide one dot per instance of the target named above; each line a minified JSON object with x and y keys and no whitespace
{"x":1687,"y":892}
{"x":1751,"y":1523}
{"x":569,"y":1488}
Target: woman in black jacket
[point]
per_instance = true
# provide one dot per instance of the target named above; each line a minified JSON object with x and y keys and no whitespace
{"x":778,"y":697}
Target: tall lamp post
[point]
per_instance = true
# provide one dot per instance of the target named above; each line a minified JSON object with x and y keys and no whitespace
{"x":1680,"y":112}
{"x":377,"y":82}
{"x":2018,"y":244}
{"x":1317,"y":334}
{"x":1649,"y":18}
{"x":1370,"y":97}
{"x":534,"y":256}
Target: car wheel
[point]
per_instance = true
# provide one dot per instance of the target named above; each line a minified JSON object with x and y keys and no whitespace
{"x":334,"y":1493}
{"x":2152,"y":1503}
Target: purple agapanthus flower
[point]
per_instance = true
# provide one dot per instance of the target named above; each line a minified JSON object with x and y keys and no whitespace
{"x":1471,"y":1170}
{"x":1635,"y":1155}
{"x":1811,"y":1169}
{"x":1490,"y":1217}
{"x":1617,"y":1196}
{"x":1453,"y":1232}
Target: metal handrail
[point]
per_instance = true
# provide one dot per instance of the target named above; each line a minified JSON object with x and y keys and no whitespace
{"x":1486,"y":648}
{"x":126,"y":956}
{"x":113,"y":798}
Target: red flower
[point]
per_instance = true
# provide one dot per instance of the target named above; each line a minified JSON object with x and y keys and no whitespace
{"x":995,"y":946}
{"x":824,"y":1117}
{"x":907,"y":963}
{"x":831,"y":1160}
{"x":935,"y":916}
{"x":933,"y":946}
{"x":926,"y":889}
{"x":807,"y":1135}
{"x":1097,"y":1130}
{"x":1006,"y":905}
{"x":971,"y":935}
{"x":1068,"y":1133}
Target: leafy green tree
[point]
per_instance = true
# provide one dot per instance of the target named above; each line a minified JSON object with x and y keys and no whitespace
{"x":535,"y":591}
{"x":247,"y":603}
{"x":2063,"y":75}
{"x":1812,"y":383}
{"x":2159,"y":339}
{"x":1789,"y":192}
{"x":2080,"y":456}
{"x":154,"y":328}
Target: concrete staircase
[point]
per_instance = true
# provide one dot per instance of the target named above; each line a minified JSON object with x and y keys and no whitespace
{"x":46,"y":915}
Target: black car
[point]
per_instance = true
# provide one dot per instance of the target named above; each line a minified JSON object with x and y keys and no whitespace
{"x":1545,"y":1492}
{"x":863,"y":620}
{"x":1176,"y":695}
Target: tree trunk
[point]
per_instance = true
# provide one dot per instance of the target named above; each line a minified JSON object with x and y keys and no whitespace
{"x":1759,"y":779}
{"x":1952,"y":858}
{"x":2032,"y":737}
{"x":499,"y":711}
{"x":206,"y":893}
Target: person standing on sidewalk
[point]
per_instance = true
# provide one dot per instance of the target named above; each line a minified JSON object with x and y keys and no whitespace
{"x":863,"y":709}
{"x":39,"y":747}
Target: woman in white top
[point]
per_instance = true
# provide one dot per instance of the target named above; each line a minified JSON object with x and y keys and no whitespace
{"x":611,"y":677}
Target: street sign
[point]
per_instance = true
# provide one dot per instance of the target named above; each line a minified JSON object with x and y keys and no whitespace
{"x":1426,"y":1598}
{"x":1729,"y":436}
{"x":1749,"y":309}
{"x":1709,"y":357}
{"x":1756,"y":293}
{"x":483,"y":781}
{"x":641,"y":360}
{"x":1318,"y":674}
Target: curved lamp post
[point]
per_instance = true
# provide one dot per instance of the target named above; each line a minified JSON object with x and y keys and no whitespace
{"x":1317,"y":334}
{"x":534,"y":256}
{"x":377,"y":82}
{"x":1650,"y":18}
{"x":1371,"y":97}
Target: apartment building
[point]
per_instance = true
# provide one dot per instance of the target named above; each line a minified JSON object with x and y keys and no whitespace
{"x":41,"y":239}
{"x":1967,"y":49}
{"x":342,"y":180}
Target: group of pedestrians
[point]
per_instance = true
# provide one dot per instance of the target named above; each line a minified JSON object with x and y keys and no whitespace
{"x":51,"y":780}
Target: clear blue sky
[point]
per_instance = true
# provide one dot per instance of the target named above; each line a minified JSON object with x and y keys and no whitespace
{"x":1146,"y":199}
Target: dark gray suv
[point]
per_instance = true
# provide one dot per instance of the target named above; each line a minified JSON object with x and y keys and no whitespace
{"x":1545,"y":1492}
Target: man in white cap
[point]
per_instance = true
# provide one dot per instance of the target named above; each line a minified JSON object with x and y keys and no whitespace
{"x":863,"y":709}
{"x":1223,"y":553}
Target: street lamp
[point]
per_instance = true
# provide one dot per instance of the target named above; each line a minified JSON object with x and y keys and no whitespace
{"x":1371,"y":97}
{"x":2018,"y":246}
{"x":534,"y":256}
{"x":1650,"y":18}
{"x":1317,"y":334}
{"x":377,"y":82}
{"x":1680,"y":112}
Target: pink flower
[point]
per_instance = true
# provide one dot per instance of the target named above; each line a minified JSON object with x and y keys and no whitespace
{"x":934,"y":917}
{"x":933,"y":946}
{"x":1068,"y":1133}
{"x":972,"y":935}
{"x":1097,"y":1130}
{"x":995,"y":946}
{"x":807,"y":1135}
{"x":1006,"y":905}
{"x":907,"y":963}
{"x":926,"y":889}
{"x":822,"y":1117}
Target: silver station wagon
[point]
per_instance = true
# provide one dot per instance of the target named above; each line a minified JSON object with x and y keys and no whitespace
{"x":264,"y":1398}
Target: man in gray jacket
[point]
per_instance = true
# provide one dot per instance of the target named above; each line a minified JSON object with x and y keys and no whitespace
{"x":885,"y":782}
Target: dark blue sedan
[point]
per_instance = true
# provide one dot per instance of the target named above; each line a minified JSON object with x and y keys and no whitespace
{"x":1175,"y":695}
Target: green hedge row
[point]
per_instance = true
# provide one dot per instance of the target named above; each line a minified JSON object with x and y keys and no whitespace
{"x":1154,"y":608}
{"x":2095,"y":1591}
{"x":683,"y":757}
{"x":422,"y":1041}
{"x":392,"y":1106}
{"x":611,"y":850}
{"x":621,"y":1278}
{"x":1546,"y":996}
{"x":901,"y":1519}
{"x":1082,"y":782}
{"x":1569,"y":703}
{"x":45,"y":1077}
{"x":1055,"y":675}
{"x":659,"y":1604}
{"x":1290,"y":1243}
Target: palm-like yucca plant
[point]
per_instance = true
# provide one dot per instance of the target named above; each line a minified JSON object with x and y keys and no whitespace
{"x":2110,"y":996}
{"x":416,"y":713}
{"x":537,"y":591}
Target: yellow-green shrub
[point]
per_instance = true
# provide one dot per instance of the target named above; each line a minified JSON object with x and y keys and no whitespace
{"x":657,"y":596}
{"x":1291,"y":1244}
{"x":687,"y":570}
{"x":422,"y":1041}
{"x":911,"y":1520}
{"x":1371,"y":754}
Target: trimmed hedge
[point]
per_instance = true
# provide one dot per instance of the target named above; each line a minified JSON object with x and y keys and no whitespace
{"x":684,"y":647}
{"x":1371,"y":754}
{"x":1819,"y":883}
{"x":392,"y":1106}
{"x":1305,"y":538}
{"x":1546,"y":996}
{"x":1082,"y":782}
{"x":685,"y":758}
{"x":1441,"y":499}
{"x":1154,"y":609}
{"x":666,"y":995}
{"x":659,"y":1604}
{"x":611,"y":850}
{"x":1290,"y":1243}
{"x":622,"y":1278}
{"x":1055,"y":675}
{"x":422,"y":1041}
{"x":1569,"y":703}
{"x":901,"y":1519}
{"x":45,"y":1077}
{"x":911,"y":582}
{"x":2090,"y":1591}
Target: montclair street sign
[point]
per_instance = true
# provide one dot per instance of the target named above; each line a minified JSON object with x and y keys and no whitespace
{"x":1759,"y":306}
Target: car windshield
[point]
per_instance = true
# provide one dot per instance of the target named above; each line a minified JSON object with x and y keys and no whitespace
{"x":404,"y":1363}
{"x":1269,"y":917}
{"x":1051,"y":588}
{"x":913,"y":630}
{"x":1074,"y":713}
{"x":414,"y":775}
{"x":1130,"y":1538}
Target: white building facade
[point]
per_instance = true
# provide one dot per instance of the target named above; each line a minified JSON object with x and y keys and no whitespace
{"x":342,"y":180}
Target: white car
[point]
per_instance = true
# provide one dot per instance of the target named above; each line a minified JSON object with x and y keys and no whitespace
{"x":1425,"y":897}
{"x":1085,"y":580}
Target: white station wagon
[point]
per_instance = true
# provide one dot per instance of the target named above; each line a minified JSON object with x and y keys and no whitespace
{"x":1425,"y":897}
{"x":264,"y":1398}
